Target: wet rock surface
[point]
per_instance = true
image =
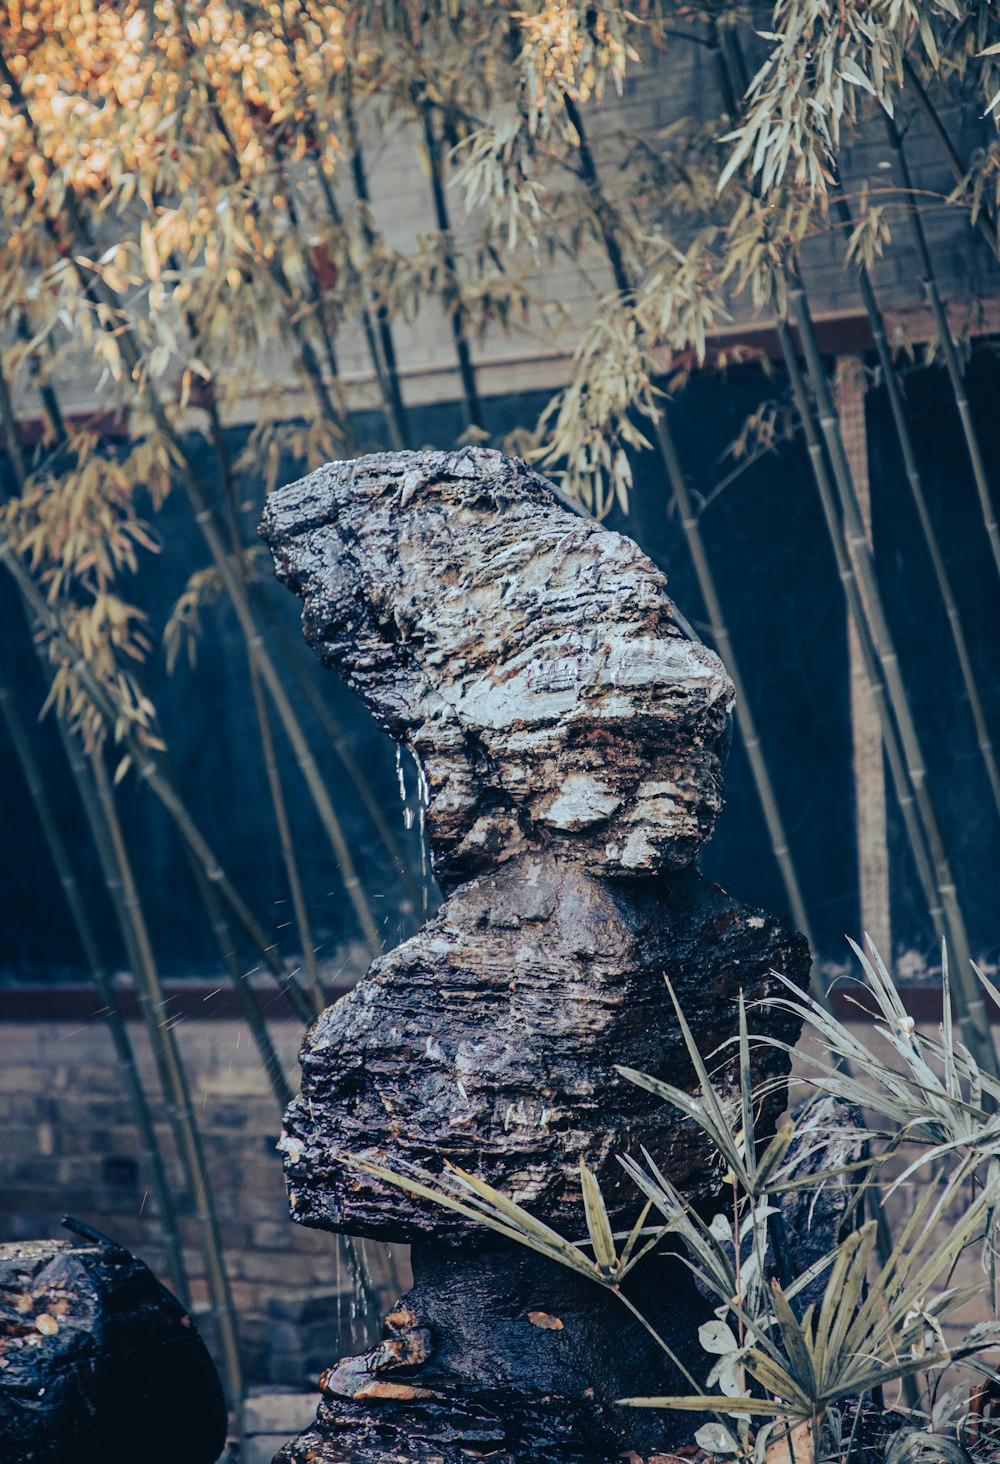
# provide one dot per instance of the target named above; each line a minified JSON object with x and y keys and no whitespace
{"x":99,"y":1362}
{"x":529,"y":659}
{"x":522,"y":1360}
{"x":570,"y":742}
{"x":489,"y":1040}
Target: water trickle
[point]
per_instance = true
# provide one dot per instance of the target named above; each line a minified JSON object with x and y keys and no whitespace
{"x":400,"y":777}
{"x":338,"y":1288}
{"x":423,"y":801}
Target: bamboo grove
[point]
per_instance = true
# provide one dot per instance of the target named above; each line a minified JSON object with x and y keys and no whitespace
{"x":188,"y":214}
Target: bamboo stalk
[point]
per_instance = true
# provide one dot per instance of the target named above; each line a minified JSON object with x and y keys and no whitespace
{"x":389,"y":392}
{"x":386,"y":346}
{"x":388,"y":379}
{"x":929,"y":282}
{"x":205,"y":518}
{"x":873,"y":633}
{"x":379,"y":341}
{"x":702,"y":565}
{"x":12,"y":437}
{"x":453,"y":288}
{"x":985,"y":222}
{"x":270,"y":1061}
{"x":117,"y":870}
{"x":744,"y":716}
{"x":876,"y":687}
{"x":149,"y":770}
{"x":977,"y":1032}
{"x":49,"y":399}
{"x":148,"y":1143}
{"x":285,"y":839}
{"x":267,"y":740}
{"x":605,"y":216}
{"x":268,"y":1057}
{"x":898,"y":409}
{"x":328,"y":409}
{"x":318,"y":303}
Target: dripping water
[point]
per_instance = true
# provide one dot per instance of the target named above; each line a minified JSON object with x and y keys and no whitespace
{"x":338,"y":1287}
{"x":418,"y":817}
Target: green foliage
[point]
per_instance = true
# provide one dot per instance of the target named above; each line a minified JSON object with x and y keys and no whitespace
{"x":881,"y":1316}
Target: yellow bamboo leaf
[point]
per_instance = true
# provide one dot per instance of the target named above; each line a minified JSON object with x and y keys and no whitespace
{"x":150,"y":257}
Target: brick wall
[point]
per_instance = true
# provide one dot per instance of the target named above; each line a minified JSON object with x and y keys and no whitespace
{"x":68,"y":1144}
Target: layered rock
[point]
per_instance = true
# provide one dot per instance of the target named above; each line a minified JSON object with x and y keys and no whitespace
{"x":570,"y":742}
{"x":490,"y":1040}
{"x":528,"y":658}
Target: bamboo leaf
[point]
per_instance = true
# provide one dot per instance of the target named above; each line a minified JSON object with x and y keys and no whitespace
{"x":704,"y":1402}
{"x":598,"y":1224}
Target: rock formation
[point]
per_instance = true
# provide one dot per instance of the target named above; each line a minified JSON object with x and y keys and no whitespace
{"x":99,"y":1362}
{"x":570,"y":743}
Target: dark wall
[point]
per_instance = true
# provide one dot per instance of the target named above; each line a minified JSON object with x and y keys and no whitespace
{"x":957,"y":774}
{"x":786,"y":615}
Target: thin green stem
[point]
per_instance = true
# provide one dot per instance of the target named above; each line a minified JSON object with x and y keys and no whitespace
{"x":452,"y":283}
{"x":148,"y":769}
{"x":12,"y":437}
{"x":319,"y":306}
{"x":951,"y":361}
{"x":386,"y":347}
{"x":285,"y":839}
{"x":387,"y":378}
{"x":117,"y":1030}
{"x":913,"y":478}
{"x":984,"y":221}
{"x":272,"y":771}
{"x":744,"y":716}
{"x":329,"y":409}
{"x":876,"y":687}
{"x":120,"y":882}
{"x":977,"y":1024}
